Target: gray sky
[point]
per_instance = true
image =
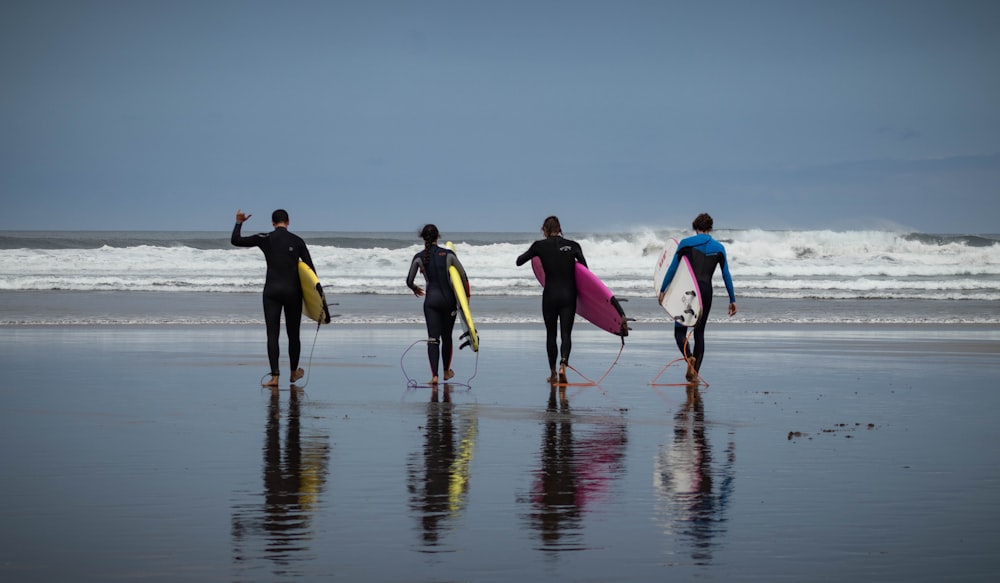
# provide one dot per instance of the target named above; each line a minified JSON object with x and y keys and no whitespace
{"x":490,"y":115}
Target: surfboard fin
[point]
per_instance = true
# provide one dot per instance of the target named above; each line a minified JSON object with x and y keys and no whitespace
{"x":468,"y":342}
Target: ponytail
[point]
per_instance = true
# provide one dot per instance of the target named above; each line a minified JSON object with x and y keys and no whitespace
{"x":430,"y":236}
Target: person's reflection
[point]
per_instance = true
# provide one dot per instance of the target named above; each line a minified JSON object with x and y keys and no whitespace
{"x":294,"y":477}
{"x":693,"y":489}
{"x":438,"y":478}
{"x":575,"y":473}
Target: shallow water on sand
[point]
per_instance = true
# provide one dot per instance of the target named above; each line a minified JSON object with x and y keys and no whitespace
{"x":816,"y":453}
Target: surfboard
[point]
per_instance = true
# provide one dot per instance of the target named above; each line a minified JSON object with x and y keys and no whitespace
{"x":313,"y":300}
{"x":594,"y":301}
{"x":470,"y":335}
{"x":682,"y":300}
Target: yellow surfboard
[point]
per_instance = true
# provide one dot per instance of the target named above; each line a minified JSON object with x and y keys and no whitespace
{"x":470,"y":335}
{"x":313,"y":301}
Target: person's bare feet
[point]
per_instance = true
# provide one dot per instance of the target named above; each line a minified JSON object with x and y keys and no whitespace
{"x":273,"y":382}
{"x":434,"y":380}
{"x":448,"y":374}
{"x":297,"y":374}
{"x":552,"y":377}
{"x":692,"y":374}
{"x":562,"y":372}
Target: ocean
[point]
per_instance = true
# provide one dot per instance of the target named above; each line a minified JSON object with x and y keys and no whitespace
{"x":161,"y":277}
{"x":858,"y":448}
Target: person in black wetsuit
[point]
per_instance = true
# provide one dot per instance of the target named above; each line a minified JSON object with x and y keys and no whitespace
{"x":440,"y":303}
{"x":705,"y":254}
{"x":559,"y":257}
{"x":282,"y":290}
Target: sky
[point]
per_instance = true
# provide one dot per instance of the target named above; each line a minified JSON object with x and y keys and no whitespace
{"x":475,"y":115}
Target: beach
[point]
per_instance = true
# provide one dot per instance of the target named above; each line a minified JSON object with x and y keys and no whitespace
{"x":815,"y":453}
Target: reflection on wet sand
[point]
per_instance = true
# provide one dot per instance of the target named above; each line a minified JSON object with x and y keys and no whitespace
{"x":279,"y":529}
{"x":693,"y":490}
{"x":576,"y":473}
{"x":438,"y":477}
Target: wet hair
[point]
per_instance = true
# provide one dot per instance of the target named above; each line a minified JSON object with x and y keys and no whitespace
{"x":551,"y":226}
{"x":279,"y":216}
{"x":702,"y":222}
{"x":430,"y":235}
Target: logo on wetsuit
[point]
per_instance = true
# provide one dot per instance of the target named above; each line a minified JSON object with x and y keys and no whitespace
{"x":565,"y":248}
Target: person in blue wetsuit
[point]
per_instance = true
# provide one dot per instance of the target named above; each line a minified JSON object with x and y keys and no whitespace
{"x":440,"y":303}
{"x":282,"y":290}
{"x":705,"y":254}
{"x":559,"y":257}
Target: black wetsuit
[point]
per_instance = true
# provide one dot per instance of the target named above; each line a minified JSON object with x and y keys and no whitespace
{"x":282,"y":290}
{"x":440,"y":304}
{"x":559,"y":257}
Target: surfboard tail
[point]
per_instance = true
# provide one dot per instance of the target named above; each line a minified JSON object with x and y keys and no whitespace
{"x":468,"y":342}
{"x":624,"y":328}
{"x":325,"y":314}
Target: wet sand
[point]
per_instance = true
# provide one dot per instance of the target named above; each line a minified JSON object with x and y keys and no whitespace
{"x":815,"y":453}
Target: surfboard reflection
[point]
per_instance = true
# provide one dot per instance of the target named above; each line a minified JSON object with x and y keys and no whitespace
{"x":438,"y":476}
{"x":693,"y":489}
{"x":277,"y":527}
{"x":577,"y":472}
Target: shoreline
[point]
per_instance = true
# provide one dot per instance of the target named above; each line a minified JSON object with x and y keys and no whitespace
{"x":835,"y":444}
{"x":127,"y":308}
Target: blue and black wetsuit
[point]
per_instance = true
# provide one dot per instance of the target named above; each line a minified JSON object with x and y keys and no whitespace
{"x":559,"y":257}
{"x":282,"y":290}
{"x":440,"y":303}
{"x":705,"y":254}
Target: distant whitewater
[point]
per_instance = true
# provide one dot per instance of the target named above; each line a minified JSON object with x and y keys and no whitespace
{"x":764,"y":264}
{"x":771,"y":266}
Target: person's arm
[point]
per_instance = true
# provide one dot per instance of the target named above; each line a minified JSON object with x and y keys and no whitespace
{"x":580,"y":258}
{"x":728,"y":279}
{"x":412,"y":275}
{"x":527,"y":255}
{"x":237,"y":238}
{"x":668,"y":277}
{"x":304,"y":256}
{"x":453,"y":260}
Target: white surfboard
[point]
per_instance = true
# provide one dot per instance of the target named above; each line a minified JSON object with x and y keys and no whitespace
{"x":682,"y":301}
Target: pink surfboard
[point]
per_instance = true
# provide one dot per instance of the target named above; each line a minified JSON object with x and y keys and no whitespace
{"x":594,"y":300}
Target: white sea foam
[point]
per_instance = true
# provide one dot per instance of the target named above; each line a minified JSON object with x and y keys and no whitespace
{"x":764,"y":264}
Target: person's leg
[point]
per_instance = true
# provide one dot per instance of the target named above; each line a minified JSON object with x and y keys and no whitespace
{"x":550,"y":315}
{"x":293,"y":326}
{"x":705,"y":289}
{"x":680,"y":337}
{"x":272,"y":322}
{"x":447,"y":343}
{"x":434,"y":328}
{"x":567,"y":316}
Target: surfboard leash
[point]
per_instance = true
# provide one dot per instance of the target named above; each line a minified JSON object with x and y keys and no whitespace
{"x":311,"y":351}
{"x":592,"y":383}
{"x":412,"y":383}
{"x":701,"y":380}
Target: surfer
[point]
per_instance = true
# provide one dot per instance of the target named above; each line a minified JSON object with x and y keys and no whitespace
{"x":282,"y":289}
{"x":559,"y":257}
{"x":705,"y":254}
{"x":440,"y":304}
